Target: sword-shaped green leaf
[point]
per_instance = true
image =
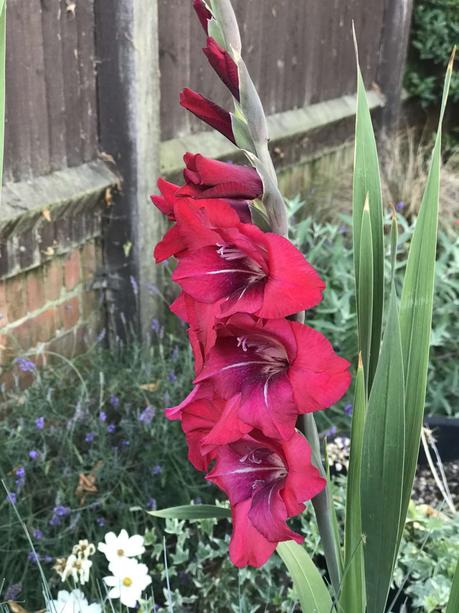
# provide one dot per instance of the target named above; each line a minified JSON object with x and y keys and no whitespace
{"x":193,"y":511}
{"x":365,"y":303}
{"x":367,"y":184}
{"x":2,"y":82}
{"x":416,"y":307}
{"x":352,"y":599}
{"x":382,"y":464}
{"x":453,"y":602}
{"x":307,"y":580}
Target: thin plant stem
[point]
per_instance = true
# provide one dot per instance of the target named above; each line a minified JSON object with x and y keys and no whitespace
{"x":321,"y":504}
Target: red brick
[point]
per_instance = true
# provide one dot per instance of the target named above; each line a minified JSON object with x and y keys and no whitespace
{"x":54,"y":275}
{"x":43,"y":326}
{"x":16,"y":298}
{"x":35,"y":290}
{"x":72,"y":270}
{"x":69,"y":313}
{"x":88,"y":260}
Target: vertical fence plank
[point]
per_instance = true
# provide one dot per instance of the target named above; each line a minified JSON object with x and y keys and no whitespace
{"x":128,"y":97}
{"x":88,"y":108}
{"x":69,"y":41}
{"x":54,"y":79}
{"x":392,"y":56}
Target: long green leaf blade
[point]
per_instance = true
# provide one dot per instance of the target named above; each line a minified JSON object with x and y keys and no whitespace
{"x":352,"y":598}
{"x":382,"y":464}
{"x":2,"y":83}
{"x":193,"y":511}
{"x":367,"y":183}
{"x":307,"y":581}
{"x":416,"y":307}
{"x":453,"y":602}
{"x":365,"y":302}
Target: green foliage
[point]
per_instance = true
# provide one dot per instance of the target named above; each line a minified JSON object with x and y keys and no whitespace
{"x":328,"y":247}
{"x":435,"y":31}
{"x":101,"y":422}
{"x":428,"y":556}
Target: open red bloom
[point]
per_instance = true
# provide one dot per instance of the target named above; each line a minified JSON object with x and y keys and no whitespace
{"x":203,"y":13}
{"x":208,"y":111}
{"x":281,"y":368}
{"x":213,"y":212}
{"x":267,"y":482}
{"x":224,"y":65}
{"x":246,"y":270}
{"x":207,"y":178}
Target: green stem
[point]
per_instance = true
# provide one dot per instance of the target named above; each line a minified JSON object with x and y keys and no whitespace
{"x":321,"y":504}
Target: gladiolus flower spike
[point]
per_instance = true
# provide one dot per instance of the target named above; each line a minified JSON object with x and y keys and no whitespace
{"x":255,"y":370}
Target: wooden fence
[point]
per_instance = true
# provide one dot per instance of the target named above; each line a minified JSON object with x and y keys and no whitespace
{"x":96,"y":82}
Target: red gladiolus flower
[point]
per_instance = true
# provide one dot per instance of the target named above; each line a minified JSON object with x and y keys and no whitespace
{"x":246,"y":270}
{"x":203,"y":13}
{"x":208,"y":111}
{"x":208,"y":178}
{"x":281,"y":368}
{"x":165,"y":202}
{"x":224,"y":65}
{"x":267,"y":482}
{"x":212,"y":212}
{"x":204,"y":416}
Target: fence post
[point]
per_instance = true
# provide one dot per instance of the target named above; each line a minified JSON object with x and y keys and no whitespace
{"x":394,"y":47}
{"x":129,"y":96}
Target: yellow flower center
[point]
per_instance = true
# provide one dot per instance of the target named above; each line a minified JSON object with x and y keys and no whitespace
{"x":127,"y":581}
{"x":120,"y":553}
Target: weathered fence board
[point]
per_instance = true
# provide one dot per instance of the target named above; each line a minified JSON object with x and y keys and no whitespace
{"x":51,"y":87}
{"x":299,"y":52}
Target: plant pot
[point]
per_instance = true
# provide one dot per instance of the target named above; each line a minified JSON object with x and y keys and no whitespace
{"x":446,"y":433}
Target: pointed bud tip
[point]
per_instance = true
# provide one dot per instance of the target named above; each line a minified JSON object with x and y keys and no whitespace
{"x":360,"y":362}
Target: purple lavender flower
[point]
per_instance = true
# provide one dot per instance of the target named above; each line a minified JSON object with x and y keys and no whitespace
{"x":25,"y":365}
{"x":34,"y":557}
{"x":151,"y":504}
{"x":134,"y":285}
{"x":40,"y":423}
{"x":100,"y":521}
{"x":114,"y":401}
{"x":155,"y":325}
{"x":157,"y":469}
{"x":59,"y":512}
{"x":124,"y":442}
{"x":90,"y":436}
{"x":171,"y":376}
{"x":20,"y":472}
{"x":11,"y":497}
{"x":33,"y":455}
{"x":348,"y":409}
{"x":37,"y":534}
{"x":13,"y":592}
{"x":111,"y":428}
{"x":329,"y":433}
{"x":400,"y":206}
{"x":102,"y":416}
{"x":146,"y":416}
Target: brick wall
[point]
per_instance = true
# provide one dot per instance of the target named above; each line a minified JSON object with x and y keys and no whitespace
{"x":50,"y":309}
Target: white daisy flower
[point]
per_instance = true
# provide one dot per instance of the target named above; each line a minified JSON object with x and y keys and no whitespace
{"x":72,"y":602}
{"x":128,"y":581}
{"x":121,"y":546}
